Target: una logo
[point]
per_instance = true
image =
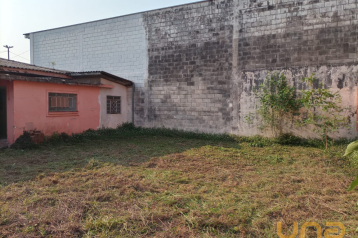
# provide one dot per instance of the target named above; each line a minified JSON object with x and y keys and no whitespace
{"x":331,"y":232}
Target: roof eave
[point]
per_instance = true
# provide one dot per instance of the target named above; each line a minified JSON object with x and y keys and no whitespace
{"x":31,"y":72}
{"x":120,"y":80}
{"x":42,"y":79}
{"x":104,"y":75}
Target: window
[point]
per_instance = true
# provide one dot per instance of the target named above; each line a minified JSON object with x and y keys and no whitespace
{"x":113,"y":105}
{"x":62,"y":102}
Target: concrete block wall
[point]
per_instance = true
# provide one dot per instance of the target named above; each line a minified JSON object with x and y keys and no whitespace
{"x":297,"y":33}
{"x":340,"y":78}
{"x":297,"y":38}
{"x":190,"y":67}
{"x":116,"y":45}
{"x":195,"y":65}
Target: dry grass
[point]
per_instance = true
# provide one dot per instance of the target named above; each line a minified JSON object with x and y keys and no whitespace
{"x":172,"y":188}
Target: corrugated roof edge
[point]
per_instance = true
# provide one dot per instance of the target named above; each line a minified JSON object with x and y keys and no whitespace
{"x":111,"y":77}
{"x":38,"y":68}
{"x":26,"y":34}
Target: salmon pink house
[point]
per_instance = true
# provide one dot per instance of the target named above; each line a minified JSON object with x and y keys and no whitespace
{"x":34,"y":98}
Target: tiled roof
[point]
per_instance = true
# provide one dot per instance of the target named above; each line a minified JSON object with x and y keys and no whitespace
{"x":20,"y":65}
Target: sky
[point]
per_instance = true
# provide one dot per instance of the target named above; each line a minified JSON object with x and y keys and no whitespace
{"x":23,"y":16}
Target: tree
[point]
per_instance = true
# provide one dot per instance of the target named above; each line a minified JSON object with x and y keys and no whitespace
{"x":323,"y":110}
{"x":278,"y":101}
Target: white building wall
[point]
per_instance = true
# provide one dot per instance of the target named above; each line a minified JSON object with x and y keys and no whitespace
{"x":117,"y":45}
{"x":113,"y":120}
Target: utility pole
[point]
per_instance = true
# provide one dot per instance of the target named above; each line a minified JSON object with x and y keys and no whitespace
{"x":8,"y":51}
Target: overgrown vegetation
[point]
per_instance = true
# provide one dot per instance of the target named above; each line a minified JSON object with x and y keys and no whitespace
{"x":323,"y":110}
{"x":318,"y":108}
{"x":124,"y":130}
{"x":151,"y":185}
{"x":278,"y":103}
{"x":24,"y":142}
{"x":128,"y":129}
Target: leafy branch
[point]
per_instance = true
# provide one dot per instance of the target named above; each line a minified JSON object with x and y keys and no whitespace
{"x":323,"y":110}
{"x":278,"y":101}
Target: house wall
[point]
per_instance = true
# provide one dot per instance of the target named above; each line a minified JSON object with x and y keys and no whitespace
{"x":200,"y":62}
{"x":113,"y":120}
{"x":9,"y":108}
{"x":31,"y":109}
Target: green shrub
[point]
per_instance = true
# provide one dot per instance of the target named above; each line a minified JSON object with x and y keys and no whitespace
{"x":278,"y":103}
{"x":57,"y":138}
{"x":257,"y":144}
{"x":290,"y":139}
{"x":255,"y":141}
{"x":128,"y":129}
{"x":126,"y":126}
{"x":24,"y":142}
{"x":324,"y":111}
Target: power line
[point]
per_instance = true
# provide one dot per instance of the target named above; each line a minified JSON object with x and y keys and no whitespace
{"x":21,"y":53}
{"x":8,"y":51}
{"x":19,"y":56}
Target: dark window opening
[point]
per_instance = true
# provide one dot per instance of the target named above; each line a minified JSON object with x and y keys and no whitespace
{"x":62,"y":102}
{"x":113,"y":105}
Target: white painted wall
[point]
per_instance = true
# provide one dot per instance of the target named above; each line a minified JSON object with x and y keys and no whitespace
{"x":113,"y":120}
{"x":117,"y":46}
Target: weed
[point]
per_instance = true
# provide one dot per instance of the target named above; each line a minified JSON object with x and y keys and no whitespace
{"x":138,"y":184}
{"x":256,"y":144}
{"x":102,"y":224}
{"x":276,"y":159}
{"x":289,"y":139}
{"x":122,"y":131}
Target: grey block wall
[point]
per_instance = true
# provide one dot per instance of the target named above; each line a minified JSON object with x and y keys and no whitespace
{"x":195,"y":65}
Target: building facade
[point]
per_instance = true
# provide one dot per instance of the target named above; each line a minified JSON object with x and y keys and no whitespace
{"x":46,"y":101}
{"x":195,"y":66}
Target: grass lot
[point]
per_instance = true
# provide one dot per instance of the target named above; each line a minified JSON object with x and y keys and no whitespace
{"x":147,"y":185}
